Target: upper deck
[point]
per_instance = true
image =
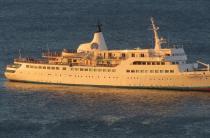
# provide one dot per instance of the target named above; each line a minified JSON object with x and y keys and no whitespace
{"x":96,"y":54}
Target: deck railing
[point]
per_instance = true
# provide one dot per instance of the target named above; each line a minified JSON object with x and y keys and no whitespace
{"x":31,"y":60}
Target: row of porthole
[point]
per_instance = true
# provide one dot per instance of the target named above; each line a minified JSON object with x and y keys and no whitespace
{"x":44,"y":67}
{"x":79,"y":76}
{"x":93,"y":69}
{"x":150,"y":71}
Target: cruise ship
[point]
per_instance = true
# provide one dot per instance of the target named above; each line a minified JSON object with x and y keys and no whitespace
{"x":93,"y":64}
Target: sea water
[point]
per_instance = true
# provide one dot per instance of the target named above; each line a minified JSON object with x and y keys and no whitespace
{"x":29,"y":27}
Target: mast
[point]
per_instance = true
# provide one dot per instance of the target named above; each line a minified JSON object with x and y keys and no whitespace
{"x":99,"y":25}
{"x":156,"y":37}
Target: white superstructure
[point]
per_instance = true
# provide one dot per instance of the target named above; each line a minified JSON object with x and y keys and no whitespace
{"x":94,"y":64}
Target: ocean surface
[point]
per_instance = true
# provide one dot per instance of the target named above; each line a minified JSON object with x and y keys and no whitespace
{"x":28,"y":27}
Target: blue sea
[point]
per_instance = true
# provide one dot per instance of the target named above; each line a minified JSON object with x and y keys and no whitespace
{"x":28,"y":27}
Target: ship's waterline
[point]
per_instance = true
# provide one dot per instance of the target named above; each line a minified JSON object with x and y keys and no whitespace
{"x":93,"y":64}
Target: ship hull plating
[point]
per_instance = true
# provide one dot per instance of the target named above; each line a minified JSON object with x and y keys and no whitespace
{"x":199,"y":80}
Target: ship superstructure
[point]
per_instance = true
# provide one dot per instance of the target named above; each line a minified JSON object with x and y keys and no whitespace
{"x":94,"y":64}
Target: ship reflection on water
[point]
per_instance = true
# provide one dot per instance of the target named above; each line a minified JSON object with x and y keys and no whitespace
{"x":78,"y":111}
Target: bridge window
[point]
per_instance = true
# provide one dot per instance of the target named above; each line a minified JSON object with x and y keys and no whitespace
{"x":10,"y":71}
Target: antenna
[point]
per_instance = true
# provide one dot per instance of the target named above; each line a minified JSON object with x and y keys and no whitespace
{"x":19,"y":53}
{"x":99,"y":26}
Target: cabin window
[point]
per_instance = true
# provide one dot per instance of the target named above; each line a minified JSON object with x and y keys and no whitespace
{"x":161,"y":71}
{"x":132,"y":55}
{"x":104,"y":70}
{"x":44,"y":67}
{"x":162,"y":63}
{"x":27,"y":66}
{"x":135,"y":63}
{"x":171,"y":71}
{"x":57,"y":68}
{"x":151,"y":71}
{"x":142,"y":55}
{"x":128,"y":71}
{"x":86,"y":69}
{"x":48,"y":67}
{"x":123,"y":55}
{"x":174,"y":63}
{"x":53,"y":68}
{"x":35,"y":67}
{"x":81,"y":69}
{"x":64,"y":68}
{"x":148,"y":63}
{"x":166,"y":71}
{"x":40,"y":67}
{"x":132,"y":71}
{"x":156,"y":71}
{"x":109,"y":55}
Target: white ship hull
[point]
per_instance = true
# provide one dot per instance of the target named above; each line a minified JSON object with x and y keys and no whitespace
{"x":199,"y":80}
